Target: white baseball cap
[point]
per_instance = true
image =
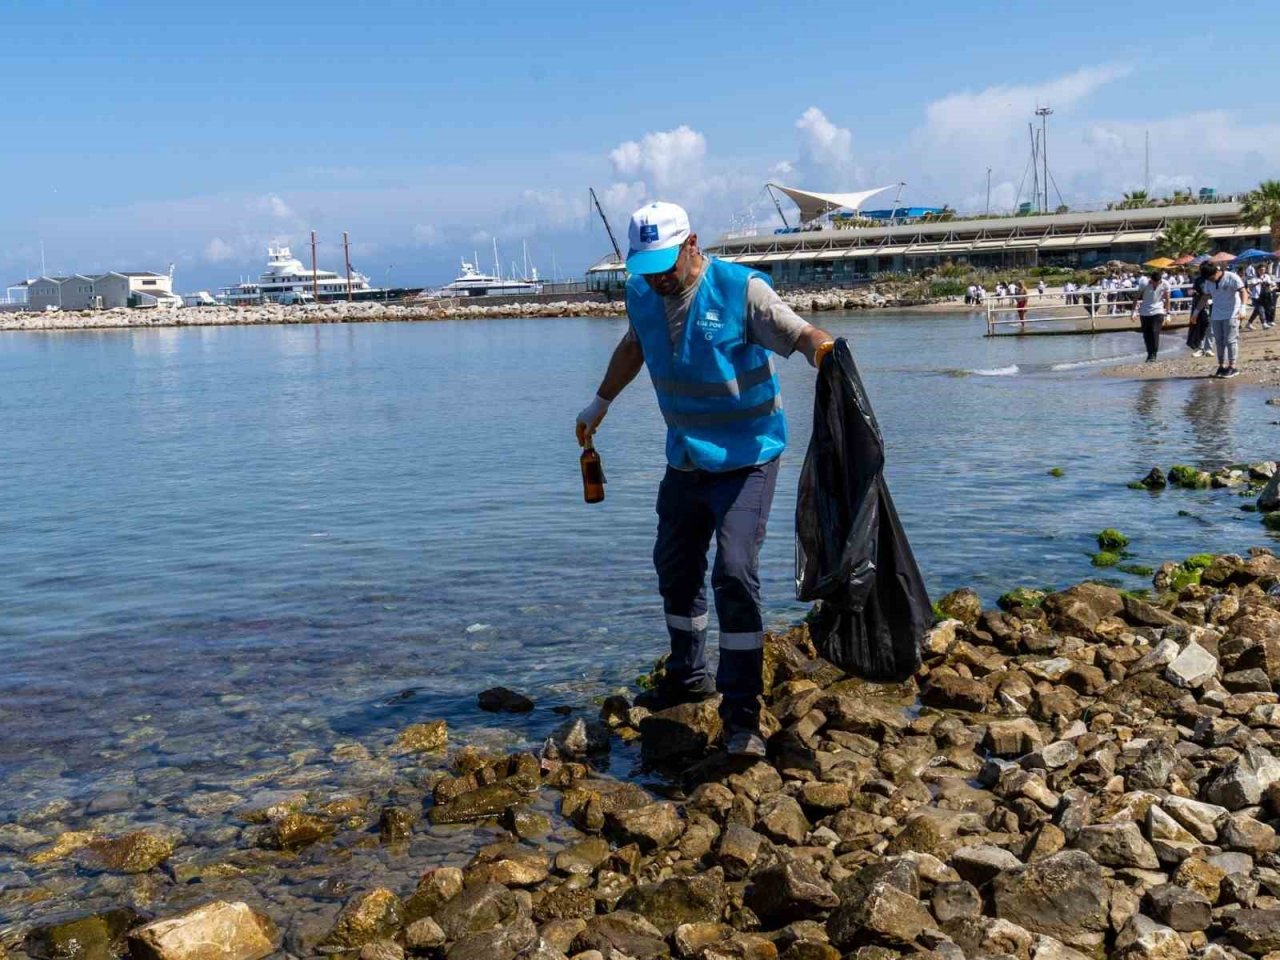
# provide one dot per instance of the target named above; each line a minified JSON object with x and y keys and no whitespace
{"x":655,"y":234}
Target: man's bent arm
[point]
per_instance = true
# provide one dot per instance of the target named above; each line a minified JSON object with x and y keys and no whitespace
{"x":809,"y":342}
{"x":624,"y":365}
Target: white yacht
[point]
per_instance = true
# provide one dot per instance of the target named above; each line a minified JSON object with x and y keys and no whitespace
{"x":286,"y":280}
{"x":473,"y":283}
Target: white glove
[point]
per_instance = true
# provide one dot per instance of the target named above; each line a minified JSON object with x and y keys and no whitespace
{"x":590,"y":418}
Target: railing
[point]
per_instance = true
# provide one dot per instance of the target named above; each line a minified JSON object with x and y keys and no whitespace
{"x":1100,"y":308}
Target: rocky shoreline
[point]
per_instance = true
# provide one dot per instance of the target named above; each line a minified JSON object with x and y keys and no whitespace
{"x":803,"y":301}
{"x":1079,"y":773}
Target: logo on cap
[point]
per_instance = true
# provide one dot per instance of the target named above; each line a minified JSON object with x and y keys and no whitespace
{"x":648,"y":233}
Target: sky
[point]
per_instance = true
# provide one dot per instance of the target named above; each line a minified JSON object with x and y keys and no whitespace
{"x":141,"y":134}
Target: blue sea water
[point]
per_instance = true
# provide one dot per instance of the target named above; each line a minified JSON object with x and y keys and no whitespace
{"x":220,"y":547}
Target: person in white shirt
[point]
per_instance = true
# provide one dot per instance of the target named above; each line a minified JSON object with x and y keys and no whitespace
{"x":1224,"y":291}
{"x":1151,"y":308}
{"x":1253,"y":281}
{"x":971,"y":294}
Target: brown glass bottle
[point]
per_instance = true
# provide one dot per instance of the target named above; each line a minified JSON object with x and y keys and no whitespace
{"x":592,"y":475}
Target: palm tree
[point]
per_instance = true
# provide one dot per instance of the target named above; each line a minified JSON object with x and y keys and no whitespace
{"x":1262,"y":207}
{"x":1138,"y":198}
{"x":1181,"y":238}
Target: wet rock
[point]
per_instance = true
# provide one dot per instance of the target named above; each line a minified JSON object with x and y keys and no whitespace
{"x":589,"y":803}
{"x":1155,"y":480}
{"x":423,"y":935}
{"x":436,"y":888}
{"x":579,"y":738}
{"x":885,"y":915}
{"x":622,"y":933}
{"x":679,"y":900}
{"x":1256,"y":932}
{"x":510,"y":864}
{"x":135,"y":852}
{"x":424,"y":737}
{"x":1144,"y":939}
{"x":99,"y":936}
{"x":476,"y":910}
{"x":559,"y":934}
{"x":571,"y":900}
{"x":681,"y":732}
{"x":1242,"y":782}
{"x":790,"y":891}
{"x":504,"y":943}
{"x":375,"y":915}
{"x":1117,"y":845}
{"x":382,"y":950}
{"x":502,"y":700}
{"x":964,"y":605}
{"x":491,"y":800}
{"x":583,"y":857}
{"x":651,"y":827}
{"x":295,"y":831}
{"x":214,"y":931}
{"x":395,"y":824}
{"x":1013,"y":738}
{"x":691,"y":939}
{"x":1061,"y":896}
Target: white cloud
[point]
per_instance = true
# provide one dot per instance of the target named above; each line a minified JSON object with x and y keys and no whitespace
{"x":273,"y":205}
{"x":426,"y":234}
{"x":670,"y":162}
{"x":826,"y":151}
{"x":218,"y":250}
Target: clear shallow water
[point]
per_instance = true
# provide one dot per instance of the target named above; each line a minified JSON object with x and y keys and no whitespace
{"x":225,"y":550}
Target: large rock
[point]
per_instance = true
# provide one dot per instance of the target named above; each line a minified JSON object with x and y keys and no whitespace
{"x":214,"y":931}
{"x":982,"y":863}
{"x":296,"y":830}
{"x":1144,"y":939}
{"x":426,"y":737}
{"x":949,"y":690}
{"x":1269,"y":498}
{"x":376,"y":915}
{"x":1078,"y":610}
{"x":681,"y":732}
{"x":435,"y":888}
{"x":738,"y":849}
{"x":1244,"y":780}
{"x":504,"y":943}
{"x":1013,"y":738}
{"x":1256,"y":932}
{"x":98,"y":936}
{"x":622,"y":932}
{"x":1117,"y":845}
{"x":491,"y":800}
{"x":651,"y":827}
{"x":579,"y":738}
{"x":964,"y":605}
{"x":1192,"y":668}
{"x":679,"y":900}
{"x":1061,"y":896}
{"x":502,"y":700}
{"x":1183,"y":910}
{"x":510,"y":864}
{"x":885,"y":915}
{"x":477,"y":909}
{"x":790,"y":891}
{"x":781,"y":819}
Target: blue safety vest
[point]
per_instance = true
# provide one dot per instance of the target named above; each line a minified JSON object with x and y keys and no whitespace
{"x":718,"y":393}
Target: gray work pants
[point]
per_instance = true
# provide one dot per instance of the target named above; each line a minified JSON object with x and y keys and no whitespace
{"x":1226,"y":336}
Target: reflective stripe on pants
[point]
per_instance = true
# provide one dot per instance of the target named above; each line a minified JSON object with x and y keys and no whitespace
{"x":734,"y":506}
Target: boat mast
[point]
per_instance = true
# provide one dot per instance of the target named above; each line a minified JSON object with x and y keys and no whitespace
{"x":315,"y":281}
{"x":607,"y":229}
{"x":346,"y":251}
{"x":497,"y":264}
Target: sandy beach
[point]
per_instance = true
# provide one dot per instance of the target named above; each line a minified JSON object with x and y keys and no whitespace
{"x":1259,"y":361}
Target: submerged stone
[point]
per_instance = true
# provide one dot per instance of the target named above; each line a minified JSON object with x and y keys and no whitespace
{"x":214,"y":931}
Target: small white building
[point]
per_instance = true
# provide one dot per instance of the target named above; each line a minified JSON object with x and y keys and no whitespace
{"x":104,"y":291}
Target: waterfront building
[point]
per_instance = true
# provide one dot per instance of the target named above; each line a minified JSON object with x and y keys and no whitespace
{"x":102,"y":291}
{"x":829,"y":254}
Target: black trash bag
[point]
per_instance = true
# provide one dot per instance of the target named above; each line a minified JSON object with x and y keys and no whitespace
{"x":851,"y":551}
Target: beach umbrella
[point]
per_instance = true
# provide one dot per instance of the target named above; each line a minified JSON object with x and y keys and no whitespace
{"x":1160,"y":263}
{"x":1184,"y":260}
{"x":1253,"y":253}
{"x":1222,"y":257}
{"x":1196,"y":261}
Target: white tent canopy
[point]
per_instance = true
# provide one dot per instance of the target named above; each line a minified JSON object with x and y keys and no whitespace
{"x":813,"y":205}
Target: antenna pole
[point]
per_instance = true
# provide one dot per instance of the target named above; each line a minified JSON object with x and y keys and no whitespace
{"x":607,"y":229}
{"x":1043,"y":113}
{"x":315,"y":276}
{"x":988,"y":191}
{"x":346,"y":252}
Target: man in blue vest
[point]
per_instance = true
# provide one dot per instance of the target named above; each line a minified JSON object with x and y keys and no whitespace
{"x":706,"y":329}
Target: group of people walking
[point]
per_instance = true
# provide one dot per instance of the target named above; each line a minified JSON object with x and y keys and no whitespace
{"x":1220,"y":297}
